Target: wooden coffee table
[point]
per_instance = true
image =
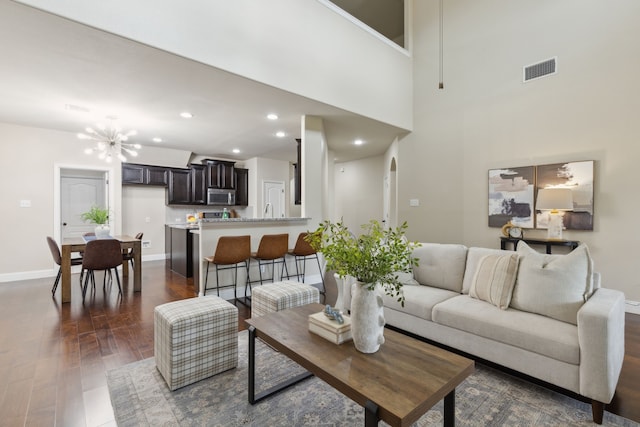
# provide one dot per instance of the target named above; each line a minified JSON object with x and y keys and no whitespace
{"x":398,"y":384}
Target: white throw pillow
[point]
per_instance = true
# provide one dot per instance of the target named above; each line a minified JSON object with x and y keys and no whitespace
{"x":441,"y":265}
{"x":494,"y":279}
{"x":406,"y":278}
{"x":553,"y":285}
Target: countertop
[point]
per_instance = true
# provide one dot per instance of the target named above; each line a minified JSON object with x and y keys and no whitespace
{"x":235,"y":220}
{"x":184,"y":226}
{"x":217,"y":220}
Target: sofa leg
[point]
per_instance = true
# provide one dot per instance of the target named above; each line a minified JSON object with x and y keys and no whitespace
{"x":597,"y":410}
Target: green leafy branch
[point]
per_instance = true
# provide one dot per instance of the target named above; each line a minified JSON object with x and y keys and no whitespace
{"x":374,"y":257}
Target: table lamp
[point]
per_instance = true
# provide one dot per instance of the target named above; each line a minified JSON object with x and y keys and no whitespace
{"x":554,"y":200}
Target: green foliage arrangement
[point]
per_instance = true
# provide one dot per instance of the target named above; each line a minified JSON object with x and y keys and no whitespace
{"x":376,"y":256}
{"x":96,"y":215}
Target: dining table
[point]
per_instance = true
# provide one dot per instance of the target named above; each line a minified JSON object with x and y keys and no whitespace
{"x":78,"y":244}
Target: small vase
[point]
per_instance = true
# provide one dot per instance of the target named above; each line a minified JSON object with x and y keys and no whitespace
{"x":367,"y":318}
{"x":102,"y":231}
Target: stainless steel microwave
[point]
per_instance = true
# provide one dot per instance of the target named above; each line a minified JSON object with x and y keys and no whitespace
{"x":217,"y":196}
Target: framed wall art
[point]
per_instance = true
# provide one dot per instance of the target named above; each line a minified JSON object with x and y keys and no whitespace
{"x":578,"y":177}
{"x":511,"y":195}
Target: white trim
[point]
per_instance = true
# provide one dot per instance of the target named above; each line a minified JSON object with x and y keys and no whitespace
{"x":364,"y":26}
{"x":28,"y":275}
{"x":41,"y":274}
{"x":57,"y":167}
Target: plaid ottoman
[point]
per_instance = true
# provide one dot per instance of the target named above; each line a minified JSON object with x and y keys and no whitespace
{"x":194,"y":339}
{"x":280,"y":296}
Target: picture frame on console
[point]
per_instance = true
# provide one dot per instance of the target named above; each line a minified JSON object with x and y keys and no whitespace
{"x":576,"y":176}
{"x":511,"y":196}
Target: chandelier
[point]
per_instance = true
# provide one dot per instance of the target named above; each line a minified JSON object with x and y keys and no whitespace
{"x":110,"y":142}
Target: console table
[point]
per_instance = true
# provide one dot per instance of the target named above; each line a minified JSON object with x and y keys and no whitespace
{"x":546,"y":242}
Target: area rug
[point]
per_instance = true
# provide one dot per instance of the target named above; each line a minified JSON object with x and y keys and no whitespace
{"x":140,"y":397}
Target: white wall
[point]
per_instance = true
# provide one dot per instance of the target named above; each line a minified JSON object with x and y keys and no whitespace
{"x":261,"y":170}
{"x":358,"y":192}
{"x":28,"y":160}
{"x":139,"y":205}
{"x":487,"y":118}
{"x":317,"y":176}
{"x":297,"y":45}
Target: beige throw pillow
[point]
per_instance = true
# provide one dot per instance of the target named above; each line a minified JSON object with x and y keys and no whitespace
{"x":555,"y":286}
{"x":494,"y":279}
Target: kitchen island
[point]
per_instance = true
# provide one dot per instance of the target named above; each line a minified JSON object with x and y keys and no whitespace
{"x":179,"y":246}
{"x":211,"y":229}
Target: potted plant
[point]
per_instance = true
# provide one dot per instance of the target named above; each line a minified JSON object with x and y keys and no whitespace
{"x":374,"y":259}
{"x":100,"y":217}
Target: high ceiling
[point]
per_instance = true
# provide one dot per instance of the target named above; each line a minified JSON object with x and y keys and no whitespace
{"x":58,"y":74}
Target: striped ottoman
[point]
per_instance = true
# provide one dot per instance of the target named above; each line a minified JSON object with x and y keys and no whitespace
{"x":280,"y":296}
{"x":194,"y":339}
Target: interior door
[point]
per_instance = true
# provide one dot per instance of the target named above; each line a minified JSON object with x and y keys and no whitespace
{"x":77,"y":194}
{"x":274,"y":199}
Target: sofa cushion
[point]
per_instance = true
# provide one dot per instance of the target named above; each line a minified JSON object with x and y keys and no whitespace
{"x":528,"y":331}
{"x":474,"y":255}
{"x":494,"y":279}
{"x":419,"y":300}
{"x":553,"y":285}
{"x":440,"y":265}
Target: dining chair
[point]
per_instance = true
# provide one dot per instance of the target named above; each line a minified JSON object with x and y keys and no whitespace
{"x":127,"y":254}
{"x":101,"y":254}
{"x":57,"y":258}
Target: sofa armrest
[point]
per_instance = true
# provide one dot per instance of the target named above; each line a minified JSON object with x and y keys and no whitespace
{"x":601,"y":338}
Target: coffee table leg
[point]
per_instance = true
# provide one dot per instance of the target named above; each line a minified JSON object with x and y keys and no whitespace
{"x":252,"y":365}
{"x":370,"y":414}
{"x":450,"y":409}
{"x":253,"y":397}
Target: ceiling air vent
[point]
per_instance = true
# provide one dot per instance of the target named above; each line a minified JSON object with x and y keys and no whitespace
{"x":541,"y":69}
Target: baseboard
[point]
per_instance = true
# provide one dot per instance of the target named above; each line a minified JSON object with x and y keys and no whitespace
{"x":41,"y":274}
{"x":632,"y":307}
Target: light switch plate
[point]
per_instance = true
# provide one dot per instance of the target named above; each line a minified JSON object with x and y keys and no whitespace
{"x":414,"y":202}
{"x":25,"y":203}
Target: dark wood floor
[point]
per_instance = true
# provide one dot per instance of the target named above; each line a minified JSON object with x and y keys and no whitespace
{"x":53,"y":357}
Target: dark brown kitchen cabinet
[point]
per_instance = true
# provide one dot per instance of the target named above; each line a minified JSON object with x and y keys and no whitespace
{"x":297,"y":182}
{"x":157,"y":175}
{"x":133,"y":174}
{"x":242,"y":186}
{"x":144,"y":174}
{"x":179,"y":191}
{"x":220,"y":174}
{"x":198,"y":184}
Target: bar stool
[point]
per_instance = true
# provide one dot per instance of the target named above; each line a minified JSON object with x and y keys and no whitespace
{"x":272,"y":249}
{"x":302,"y":252}
{"x":230,"y":251}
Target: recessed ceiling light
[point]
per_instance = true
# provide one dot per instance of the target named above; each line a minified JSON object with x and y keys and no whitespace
{"x":272,"y":116}
{"x":186,"y":115}
{"x":358,"y":142}
{"x":235,"y":151}
{"x":156,"y":139}
{"x":280,"y":134}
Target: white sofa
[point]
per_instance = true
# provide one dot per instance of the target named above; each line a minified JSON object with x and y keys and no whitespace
{"x":558,"y":324}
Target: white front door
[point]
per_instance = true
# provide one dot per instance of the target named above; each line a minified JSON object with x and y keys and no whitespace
{"x":77,"y":195}
{"x":274,"y":203}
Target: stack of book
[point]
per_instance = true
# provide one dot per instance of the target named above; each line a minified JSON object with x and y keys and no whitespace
{"x":330,"y":329}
